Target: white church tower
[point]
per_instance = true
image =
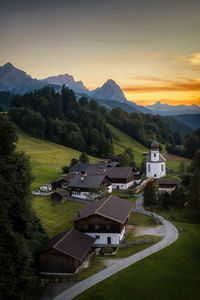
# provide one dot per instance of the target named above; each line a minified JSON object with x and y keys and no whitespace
{"x":155,"y":164}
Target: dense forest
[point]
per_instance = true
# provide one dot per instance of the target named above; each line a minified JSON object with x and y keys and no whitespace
{"x":143,"y":127}
{"x":81,"y":124}
{"x":21,"y":233}
{"x":61,"y":119}
{"x":191,"y":144}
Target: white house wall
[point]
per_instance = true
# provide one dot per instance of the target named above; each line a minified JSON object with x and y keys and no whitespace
{"x":115,"y":237}
{"x":122,"y":186}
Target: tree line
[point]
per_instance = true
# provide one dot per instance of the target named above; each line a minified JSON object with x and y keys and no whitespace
{"x":60,"y":118}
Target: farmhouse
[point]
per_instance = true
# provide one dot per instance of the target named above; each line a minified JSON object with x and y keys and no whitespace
{"x":167,"y":185}
{"x":81,"y":185}
{"x":60,"y":195}
{"x":65,"y":252}
{"x":104,"y":220}
{"x":62,"y":181}
{"x":155,"y":164}
{"x":121,"y":177}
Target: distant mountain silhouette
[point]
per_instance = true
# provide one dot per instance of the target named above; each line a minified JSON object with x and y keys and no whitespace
{"x":170,"y":110}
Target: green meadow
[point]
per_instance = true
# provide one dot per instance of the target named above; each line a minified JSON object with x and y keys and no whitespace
{"x":121,"y":141}
{"x":46,"y":158}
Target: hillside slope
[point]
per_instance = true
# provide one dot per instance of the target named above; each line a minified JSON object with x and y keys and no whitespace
{"x":46,"y":158}
{"x":121,"y":141}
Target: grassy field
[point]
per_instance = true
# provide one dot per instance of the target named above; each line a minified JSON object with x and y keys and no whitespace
{"x":172,"y":273}
{"x":46,"y":158}
{"x":173,"y":161}
{"x":121,"y":141}
{"x":55,"y":216}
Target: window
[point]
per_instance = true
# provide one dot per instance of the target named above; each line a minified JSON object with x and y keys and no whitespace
{"x":149,"y":168}
{"x":154,"y":155}
{"x":108,"y":227}
{"x":155,"y":175}
{"x":108,"y":240}
{"x":162,"y":168}
{"x":97,"y":237}
{"x":96,"y":226}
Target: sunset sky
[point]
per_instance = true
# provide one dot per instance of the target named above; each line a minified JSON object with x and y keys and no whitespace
{"x":151,"y":48}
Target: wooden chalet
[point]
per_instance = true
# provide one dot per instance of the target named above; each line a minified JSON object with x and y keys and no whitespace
{"x":62,"y":181}
{"x":61,"y":195}
{"x":81,"y":185}
{"x":104,"y":220}
{"x":65,"y":252}
{"x":167,"y":185}
{"x":121,"y":177}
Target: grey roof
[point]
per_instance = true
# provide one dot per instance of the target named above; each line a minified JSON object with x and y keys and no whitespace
{"x":168,"y":181}
{"x":112,"y":173}
{"x":112,"y":164}
{"x":82,"y":167}
{"x":111,"y":207}
{"x":154,"y":144}
{"x":88,"y":182}
{"x":161,"y":159}
{"x":62,"y":193}
{"x":73,"y":243}
{"x":64,"y":177}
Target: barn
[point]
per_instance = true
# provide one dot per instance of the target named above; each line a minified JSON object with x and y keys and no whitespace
{"x":65,"y":252}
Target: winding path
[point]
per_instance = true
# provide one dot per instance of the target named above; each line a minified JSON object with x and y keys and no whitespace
{"x":170,"y":237}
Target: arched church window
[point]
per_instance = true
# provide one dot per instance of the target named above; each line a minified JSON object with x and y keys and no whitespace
{"x":162,"y":168}
{"x":149,"y":168}
{"x":154,"y":154}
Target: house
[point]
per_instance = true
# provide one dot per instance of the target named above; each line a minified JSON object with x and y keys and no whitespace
{"x":65,"y":252}
{"x":62,"y":181}
{"x":82,"y":184}
{"x":167,"y":185}
{"x":137,"y":177}
{"x":121,"y":177}
{"x":46,"y":188}
{"x":104,"y":220}
{"x":82,"y":167}
{"x":60,"y":195}
{"x":155,"y":164}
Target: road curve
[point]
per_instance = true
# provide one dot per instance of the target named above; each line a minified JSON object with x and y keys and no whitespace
{"x":171,"y":235}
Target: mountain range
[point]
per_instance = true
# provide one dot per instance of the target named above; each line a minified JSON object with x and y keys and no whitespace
{"x":16,"y":81}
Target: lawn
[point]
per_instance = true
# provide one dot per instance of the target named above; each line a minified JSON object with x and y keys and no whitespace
{"x":121,"y":140}
{"x":46,"y":158}
{"x":55,"y":216}
{"x":172,"y":273}
{"x":173,"y":161}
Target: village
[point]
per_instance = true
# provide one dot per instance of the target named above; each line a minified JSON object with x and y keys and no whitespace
{"x":102,"y":226}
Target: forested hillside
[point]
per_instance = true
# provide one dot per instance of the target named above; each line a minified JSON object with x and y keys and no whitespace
{"x":81,"y":125}
{"x":61,"y":119}
{"x":143,"y":127}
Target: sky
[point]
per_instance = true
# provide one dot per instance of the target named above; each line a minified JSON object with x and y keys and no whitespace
{"x":151,"y":48}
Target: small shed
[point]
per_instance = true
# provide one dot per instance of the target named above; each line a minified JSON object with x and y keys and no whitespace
{"x":65,"y":252}
{"x":167,"y":185}
{"x":60,"y":195}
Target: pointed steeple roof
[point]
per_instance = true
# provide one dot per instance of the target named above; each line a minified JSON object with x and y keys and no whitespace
{"x":154,"y":145}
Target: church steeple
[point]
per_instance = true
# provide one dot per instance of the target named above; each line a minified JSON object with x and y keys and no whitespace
{"x":154,"y":151}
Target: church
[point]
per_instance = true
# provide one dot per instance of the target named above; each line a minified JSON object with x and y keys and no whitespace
{"x":155,"y":164}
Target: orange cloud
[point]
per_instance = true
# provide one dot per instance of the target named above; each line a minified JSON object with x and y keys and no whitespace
{"x":190,"y":85}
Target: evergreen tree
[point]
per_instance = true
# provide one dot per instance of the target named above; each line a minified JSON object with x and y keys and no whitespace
{"x":84,"y":158}
{"x":124,"y":160}
{"x":150,"y":197}
{"x":18,"y":224}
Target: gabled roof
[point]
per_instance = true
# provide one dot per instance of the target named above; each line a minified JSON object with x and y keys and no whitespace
{"x":62,"y":193}
{"x":168,"y":181}
{"x":82,"y":167}
{"x":73,"y":243}
{"x":87,"y":182}
{"x":112,"y":173}
{"x":111,"y":207}
{"x":64,"y":177}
